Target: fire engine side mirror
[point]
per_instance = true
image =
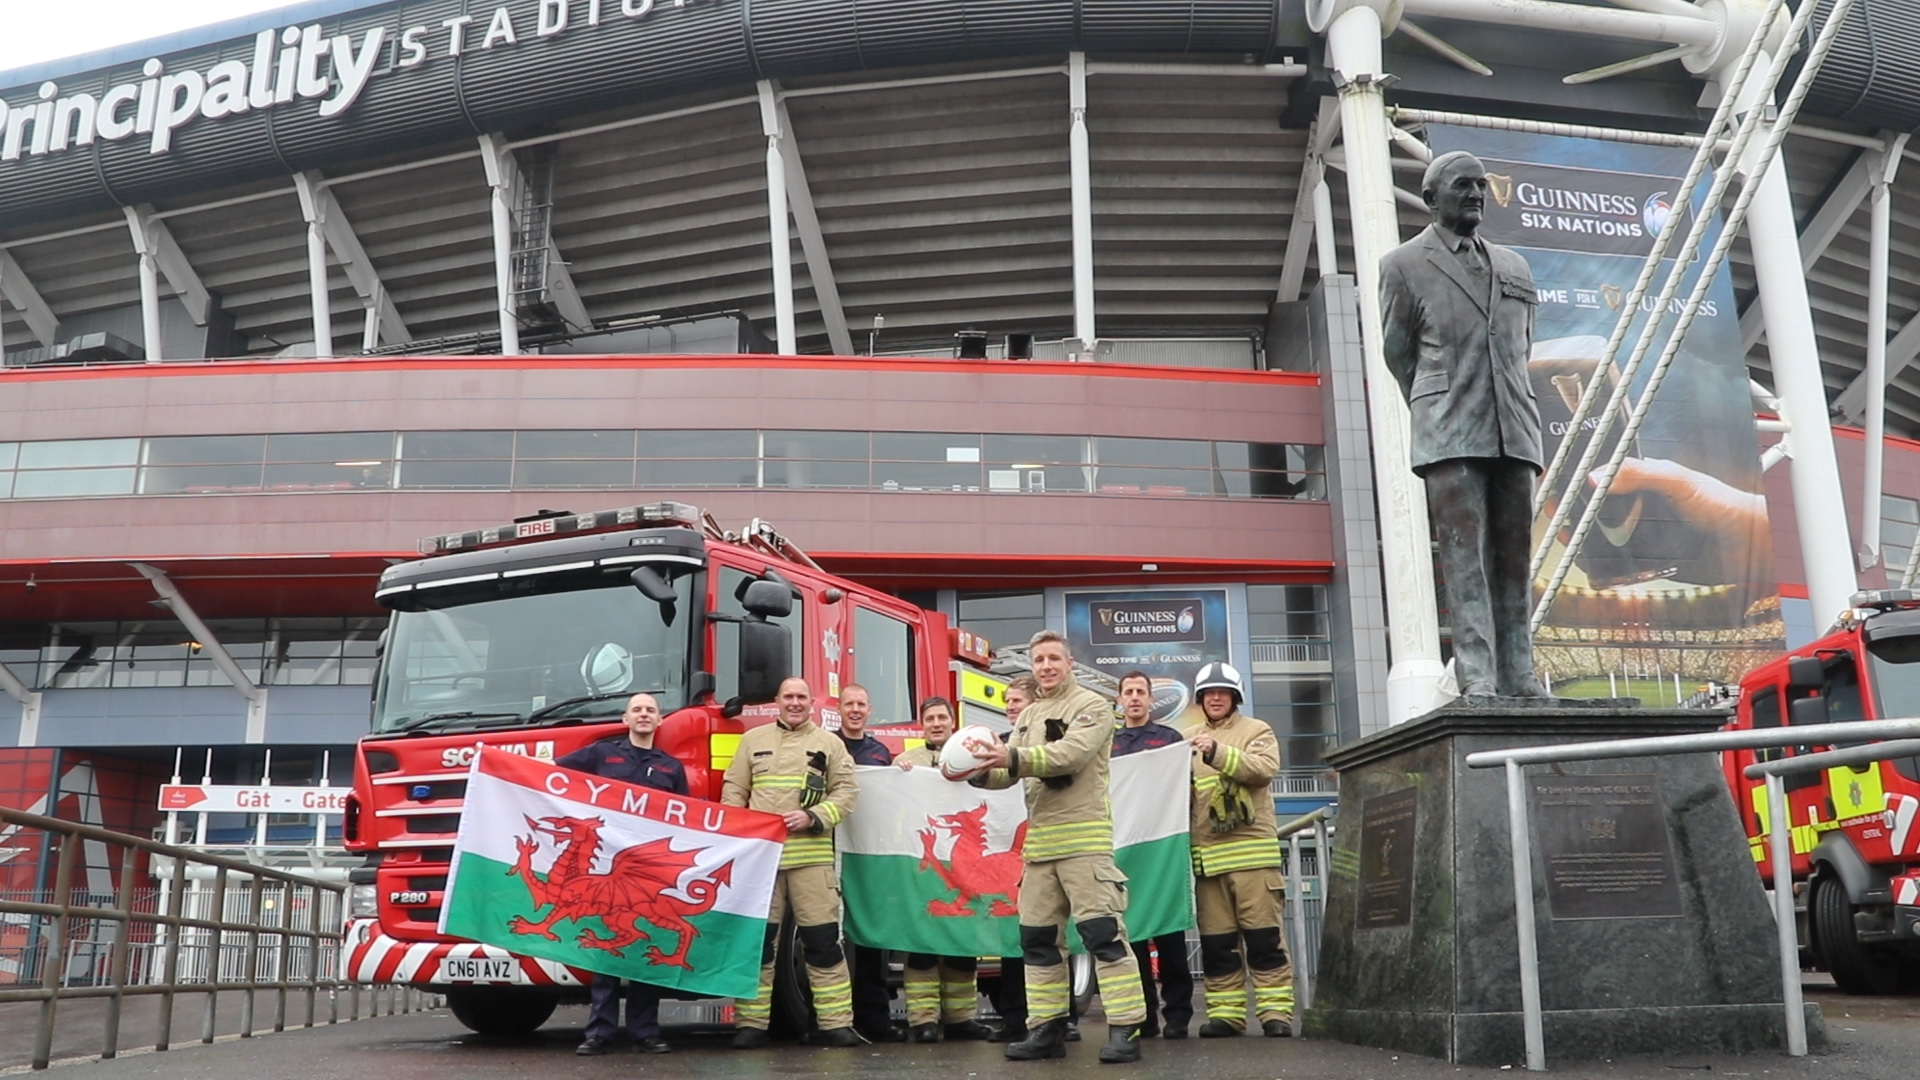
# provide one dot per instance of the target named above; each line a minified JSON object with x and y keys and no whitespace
{"x":1805,"y":673}
{"x":765,"y":661}
{"x":655,"y":588}
{"x":768,"y":600}
{"x":1807,"y":710}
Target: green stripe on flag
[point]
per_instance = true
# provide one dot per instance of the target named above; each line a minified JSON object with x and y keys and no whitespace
{"x":1159,"y":886}
{"x":888,"y":898}
{"x":724,"y":958}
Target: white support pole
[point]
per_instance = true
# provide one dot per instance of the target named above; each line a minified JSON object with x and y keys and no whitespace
{"x":143,"y":246}
{"x":1080,"y":183}
{"x":1884,"y":168}
{"x":1353,"y":51}
{"x":314,"y":209}
{"x":780,"y":236}
{"x":501,"y":175}
{"x":1818,"y":505}
{"x":1326,"y":244}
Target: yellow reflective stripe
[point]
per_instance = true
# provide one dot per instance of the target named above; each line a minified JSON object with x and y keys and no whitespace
{"x":1036,"y":759}
{"x":1046,"y":1000}
{"x":721,"y":748}
{"x":828,"y":811}
{"x":775,"y":781}
{"x":1228,"y":1005}
{"x":1072,"y":838}
{"x":806,"y":851}
{"x":1763,"y":809}
{"x":1758,"y":848}
{"x":1120,"y":1001}
{"x":1206,"y":783}
{"x":1251,"y":854}
{"x":1229,"y":760}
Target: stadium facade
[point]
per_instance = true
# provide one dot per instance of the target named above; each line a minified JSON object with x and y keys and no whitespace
{"x":997,"y":306}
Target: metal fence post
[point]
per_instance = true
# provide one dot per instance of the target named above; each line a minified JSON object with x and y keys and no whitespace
{"x":122,"y":946}
{"x":1296,"y":892}
{"x":56,"y":952}
{"x":1523,"y":916}
{"x":170,"y":965}
{"x":281,"y":941}
{"x":252,"y":966}
{"x":312,"y":911}
{"x":216,"y":951}
{"x":1783,"y":914}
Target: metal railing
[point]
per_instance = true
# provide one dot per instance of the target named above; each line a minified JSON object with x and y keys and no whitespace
{"x":1306,"y":914}
{"x":1516,"y":759}
{"x":254,"y":928}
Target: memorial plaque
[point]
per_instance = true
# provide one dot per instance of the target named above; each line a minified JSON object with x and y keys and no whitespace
{"x":1386,"y":859}
{"x":1603,"y":840}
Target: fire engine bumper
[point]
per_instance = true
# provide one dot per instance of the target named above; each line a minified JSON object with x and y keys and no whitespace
{"x":371,"y":956}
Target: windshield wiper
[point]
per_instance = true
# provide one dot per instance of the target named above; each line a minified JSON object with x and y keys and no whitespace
{"x":419,"y":722}
{"x":584,"y":699}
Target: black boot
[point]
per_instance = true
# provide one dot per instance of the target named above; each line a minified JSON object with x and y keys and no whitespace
{"x":1049,"y":1040}
{"x":1218,"y":1029}
{"x":1123,"y":1044}
{"x":967,"y":1031}
{"x":1277,"y":1029}
{"x":926,"y":1033}
{"x":1011,"y":1030}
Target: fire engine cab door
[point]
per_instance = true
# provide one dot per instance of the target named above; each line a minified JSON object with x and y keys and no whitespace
{"x":1856,"y":792}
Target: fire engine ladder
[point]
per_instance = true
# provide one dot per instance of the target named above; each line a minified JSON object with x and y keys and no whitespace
{"x":533,"y":238}
{"x":761,"y":536}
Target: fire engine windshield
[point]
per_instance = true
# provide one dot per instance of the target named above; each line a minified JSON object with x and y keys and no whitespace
{"x":1896,"y":674}
{"x":538,"y":649}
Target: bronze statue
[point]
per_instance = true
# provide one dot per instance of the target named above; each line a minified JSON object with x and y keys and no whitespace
{"x":1458,"y":319}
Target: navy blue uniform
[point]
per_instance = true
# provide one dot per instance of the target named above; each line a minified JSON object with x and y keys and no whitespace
{"x":1176,"y":977}
{"x":868,"y":965}
{"x":867,"y":750}
{"x":618,"y":759}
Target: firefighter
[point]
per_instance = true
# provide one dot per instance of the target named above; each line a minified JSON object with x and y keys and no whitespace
{"x":941,"y":990}
{"x":1236,"y":861}
{"x":1010,"y":997}
{"x":794,"y":769}
{"x":632,"y":758}
{"x":872,"y":1008}
{"x":1059,"y":752}
{"x":1174,"y":996}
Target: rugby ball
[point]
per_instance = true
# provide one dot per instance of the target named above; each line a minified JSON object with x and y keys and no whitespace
{"x":958,"y":760}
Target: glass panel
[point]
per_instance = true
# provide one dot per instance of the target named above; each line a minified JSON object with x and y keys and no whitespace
{"x":244,"y":639}
{"x":456,"y":474}
{"x":816,"y":459}
{"x":207,"y":450}
{"x":1003,"y":618}
{"x":1036,"y":463}
{"x":79,"y":453}
{"x":455,"y":445}
{"x":698,"y":459}
{"x":593,"y":474}
{"x":78,"y":655}
{"x":573,"y":444}
{"x":1154,"y":466}
{"x":323,"y":476}
{"x":1162,"y":453}
{"x":321,"y":652}
{"x":922,"y":461}
{"x":341,"y":447}
{"x":925,"y":446}
{"x":883,"y":663}
{"x":9,"y":453}
{"x":817,"y":474}
{"x":53,"y":483}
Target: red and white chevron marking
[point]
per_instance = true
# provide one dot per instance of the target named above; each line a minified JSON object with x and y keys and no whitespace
{"x":373,"y":957}
{"x":1906,"y":890}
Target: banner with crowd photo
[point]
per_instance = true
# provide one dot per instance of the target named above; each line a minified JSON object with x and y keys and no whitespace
{"x":1675,"y":583}
{"x":1167,"y":633}
{"x":612,"y":877}
{"x":932,"y":865}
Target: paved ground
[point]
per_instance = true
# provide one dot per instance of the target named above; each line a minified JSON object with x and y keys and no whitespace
{"x":1875,"y":1039}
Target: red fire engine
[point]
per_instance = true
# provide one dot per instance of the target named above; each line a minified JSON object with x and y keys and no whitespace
{"x":1856,"y":843}
{"x":530,"y":637}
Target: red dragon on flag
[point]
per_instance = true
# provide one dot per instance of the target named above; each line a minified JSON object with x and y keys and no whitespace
{"x":633,"y":891}
{"x":970,"y":871}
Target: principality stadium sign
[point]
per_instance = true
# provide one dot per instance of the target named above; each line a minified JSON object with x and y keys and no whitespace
{"x":290,"y":65}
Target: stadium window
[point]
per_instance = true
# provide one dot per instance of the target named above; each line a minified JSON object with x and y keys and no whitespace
{"x":586,"y":460}
{"x":455,"y":460}
{"x":1153,"y":466}
{"x":330,"y":461}
{"x":815,"y":459}
{"x":202,"y":464}
{"x":1037,"y":463}
{"x":699,"y":459}
{"x":926,"y":461}
{"x":1003,"y":618}
{"x":67,"y":468}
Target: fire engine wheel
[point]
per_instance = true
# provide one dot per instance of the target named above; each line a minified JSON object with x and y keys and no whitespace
{"x":792,"y":995}
{"x":1084,"y":981}
{"x":501,"y":1011}
{"x":1856,"y":968}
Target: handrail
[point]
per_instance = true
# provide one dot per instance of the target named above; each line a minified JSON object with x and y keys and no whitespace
{"x":1309,"y":820}
{"x":287,"y":943}
{"x":1904,"y":736}
{"x":1317,"y":820}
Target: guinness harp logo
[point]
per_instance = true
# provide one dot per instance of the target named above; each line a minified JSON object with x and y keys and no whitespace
{"x":1613,"y":295}
{"x":1501,"y":187}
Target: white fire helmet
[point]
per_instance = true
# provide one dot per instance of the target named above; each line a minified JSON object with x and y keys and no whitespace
{"x":1219,"y":676}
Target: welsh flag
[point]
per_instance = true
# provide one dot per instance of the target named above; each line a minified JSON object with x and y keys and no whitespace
{"x":612,"y":877}
{"x":932,"y":866}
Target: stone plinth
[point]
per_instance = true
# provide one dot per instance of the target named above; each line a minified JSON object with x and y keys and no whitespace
{"x":1422,"y":955}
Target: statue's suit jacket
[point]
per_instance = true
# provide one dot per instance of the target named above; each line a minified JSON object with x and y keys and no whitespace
{"x":1459,"y":351}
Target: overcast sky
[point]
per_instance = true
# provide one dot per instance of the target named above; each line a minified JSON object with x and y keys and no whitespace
{"x":36,"y":30}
